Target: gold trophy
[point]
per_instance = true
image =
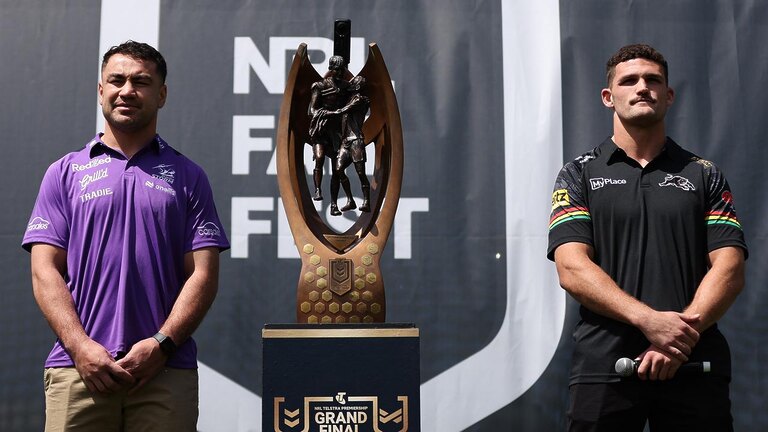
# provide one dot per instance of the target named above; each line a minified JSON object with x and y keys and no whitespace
{"x":340,"y":279}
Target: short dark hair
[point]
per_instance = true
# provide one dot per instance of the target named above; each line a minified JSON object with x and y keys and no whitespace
{"x":634,"y":51}
{"x":138,"y":51}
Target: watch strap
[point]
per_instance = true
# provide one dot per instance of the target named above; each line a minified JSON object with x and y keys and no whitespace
{"x":167,"y":345}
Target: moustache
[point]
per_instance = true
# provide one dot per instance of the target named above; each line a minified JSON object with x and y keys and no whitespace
{"x":644,"y":99}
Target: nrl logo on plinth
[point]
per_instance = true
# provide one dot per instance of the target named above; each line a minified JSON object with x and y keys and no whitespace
{"x":341,"y":413}
{"x":340,"y":279}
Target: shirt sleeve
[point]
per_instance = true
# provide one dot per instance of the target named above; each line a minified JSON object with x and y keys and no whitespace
{"x":49,"y":222}
{"x":204,"y":229}
{"x":570,"y":220}
{"x":723,"y":226}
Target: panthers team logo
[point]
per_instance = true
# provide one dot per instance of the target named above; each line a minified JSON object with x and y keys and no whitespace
{"x":678,"y":182}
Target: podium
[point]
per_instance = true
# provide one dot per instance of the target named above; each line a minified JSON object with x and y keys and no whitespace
{"x":340,"y":378}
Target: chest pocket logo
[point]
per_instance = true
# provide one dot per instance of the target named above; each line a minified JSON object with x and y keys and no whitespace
{"x":165,"y":172}
{"x":678,"y":182}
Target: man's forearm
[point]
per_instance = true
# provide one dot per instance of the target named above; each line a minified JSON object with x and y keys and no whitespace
{"x":595,"y":290}
{"x":58,"y":308}
{"x":196,"y":296}
{"x":720,"y":286}
{"x":53,"y":296}
{"x":195,"y":299}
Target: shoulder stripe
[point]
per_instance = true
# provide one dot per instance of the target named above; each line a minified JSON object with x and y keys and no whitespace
{"x":569,"y":214}
{"x":566,"y":210}
{"x":721,"y":214}
{"x":732,"y":223}
{"x":722,"y":218}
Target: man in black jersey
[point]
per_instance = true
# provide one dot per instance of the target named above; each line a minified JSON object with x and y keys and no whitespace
{"x":645,"y":237}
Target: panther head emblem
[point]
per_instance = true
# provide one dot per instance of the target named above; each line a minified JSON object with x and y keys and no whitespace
{"x":678,"y":182}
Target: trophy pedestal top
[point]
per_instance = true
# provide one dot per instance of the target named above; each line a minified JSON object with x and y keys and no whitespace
{"x":373,"y":330}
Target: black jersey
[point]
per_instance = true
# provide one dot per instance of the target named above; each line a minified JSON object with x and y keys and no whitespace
{"x":651,"y":229}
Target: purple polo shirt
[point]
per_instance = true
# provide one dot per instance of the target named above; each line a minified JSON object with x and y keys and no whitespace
{"x":126,"y":226}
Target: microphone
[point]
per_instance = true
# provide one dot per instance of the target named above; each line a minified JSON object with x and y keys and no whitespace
{"x":627,"y":367}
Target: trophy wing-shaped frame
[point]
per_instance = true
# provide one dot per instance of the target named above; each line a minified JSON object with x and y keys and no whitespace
{"x":340,"y":279}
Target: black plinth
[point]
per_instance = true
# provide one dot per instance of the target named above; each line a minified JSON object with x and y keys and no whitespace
{"x":341,"y":378}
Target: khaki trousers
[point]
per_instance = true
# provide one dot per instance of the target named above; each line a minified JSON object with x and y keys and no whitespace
{"x":169,"y":402}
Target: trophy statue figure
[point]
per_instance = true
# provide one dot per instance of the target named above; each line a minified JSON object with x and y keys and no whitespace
{"x":338,"y":110}
{"x":340,"y":279}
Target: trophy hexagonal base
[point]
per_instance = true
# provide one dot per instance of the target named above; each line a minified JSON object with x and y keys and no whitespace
{"x":340,"y":289}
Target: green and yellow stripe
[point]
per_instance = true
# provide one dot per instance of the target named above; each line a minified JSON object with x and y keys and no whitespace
{"x":567,"y":214}
{"x":722,"y":218}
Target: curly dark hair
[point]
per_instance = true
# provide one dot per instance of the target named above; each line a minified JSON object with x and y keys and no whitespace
{"x":634,"y":51}
{"x":336,"y":62}
{"x":139,"y":51}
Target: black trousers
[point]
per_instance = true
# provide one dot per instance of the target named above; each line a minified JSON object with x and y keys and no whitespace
{"x":690,"y":403}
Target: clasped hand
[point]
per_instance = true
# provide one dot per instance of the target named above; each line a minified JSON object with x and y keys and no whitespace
{"x":673,"y":332}
{"x":102,"y":374}
{"x":672,"y":337}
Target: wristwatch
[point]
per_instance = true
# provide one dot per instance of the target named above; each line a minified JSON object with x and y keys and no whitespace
{"x":166,"y":344}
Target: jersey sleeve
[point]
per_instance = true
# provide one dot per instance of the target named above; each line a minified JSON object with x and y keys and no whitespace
{"x":570,"y":220}
{"x":723,"y":226}
{"x":204,"y":229}
{"x":49,"y":222}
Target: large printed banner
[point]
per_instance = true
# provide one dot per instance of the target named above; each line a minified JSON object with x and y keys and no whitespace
{"x":494,"y":96}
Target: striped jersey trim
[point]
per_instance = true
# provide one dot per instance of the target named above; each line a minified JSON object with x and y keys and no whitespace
{"x":722,"y":218}
{"x":568,"y":214}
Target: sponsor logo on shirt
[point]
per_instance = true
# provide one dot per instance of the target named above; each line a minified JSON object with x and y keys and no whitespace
{"x":161,"y":188}
{"x":37,"y":224}
{"x":560,"y":198}
{"x":208,"y":229}
{"x":164,"y":172}
{"x":678,"y":182}
{"x":95,"y":194}
{"x":92,"y":164}
{"x":90,"y":178}
{"x":597,"y":183}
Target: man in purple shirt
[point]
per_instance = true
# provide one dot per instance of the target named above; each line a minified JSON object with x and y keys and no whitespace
{"x":125,"y":241}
